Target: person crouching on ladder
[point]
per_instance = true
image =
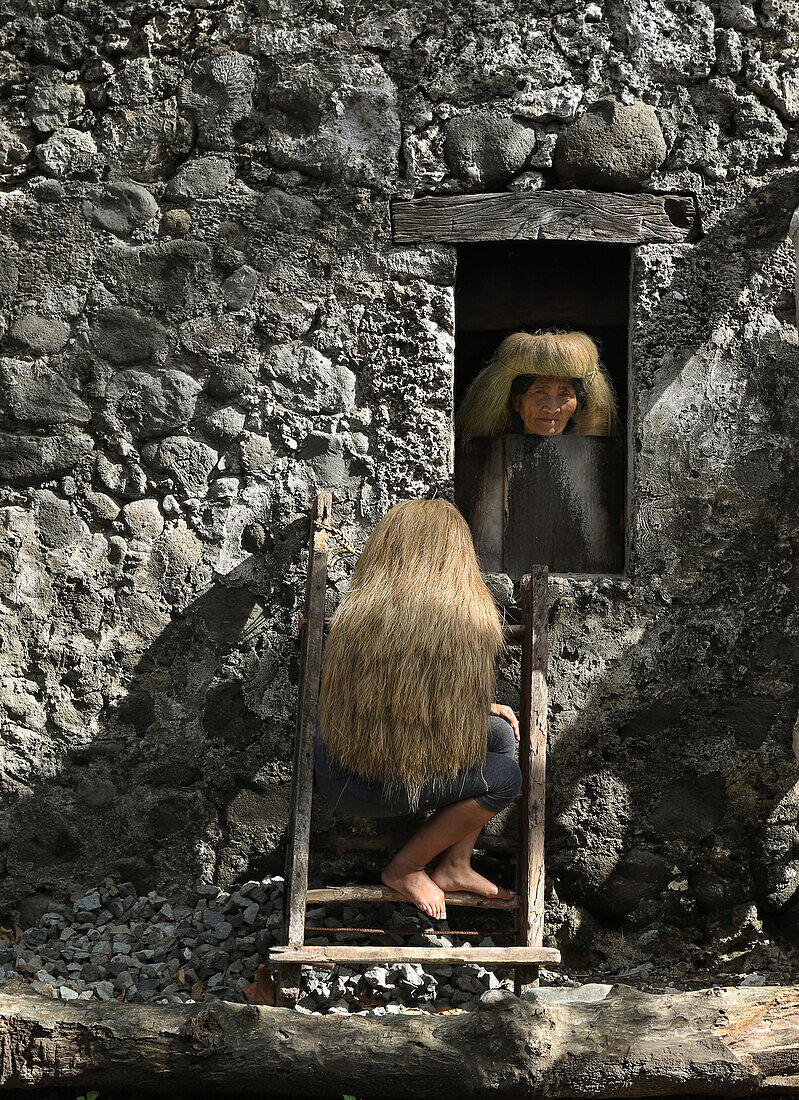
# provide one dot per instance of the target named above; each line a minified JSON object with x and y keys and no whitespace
{"x":407,"y":718}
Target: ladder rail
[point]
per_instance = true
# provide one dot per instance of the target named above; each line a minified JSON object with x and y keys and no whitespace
{"x":296,"y":878}
{"x":532,"y":759}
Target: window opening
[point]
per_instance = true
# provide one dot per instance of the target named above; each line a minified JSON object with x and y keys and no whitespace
{"x":560,"y":500}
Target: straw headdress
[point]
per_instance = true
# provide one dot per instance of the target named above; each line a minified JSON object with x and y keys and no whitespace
{"x":486,"y":408}
{"x":408,"y":670}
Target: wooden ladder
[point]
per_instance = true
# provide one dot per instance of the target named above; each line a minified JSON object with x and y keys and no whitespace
{"x":528,"y":904}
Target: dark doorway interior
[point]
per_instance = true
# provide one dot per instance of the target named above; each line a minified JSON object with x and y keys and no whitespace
{"x":557,"y":502}
{"x":508,"y":286}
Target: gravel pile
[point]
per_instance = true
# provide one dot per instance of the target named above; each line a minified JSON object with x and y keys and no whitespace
{"x":116,"y":944}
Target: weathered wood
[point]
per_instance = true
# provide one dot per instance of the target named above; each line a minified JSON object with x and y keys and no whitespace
{"x":344,"y":954}
{"x":533,"y":762}
{"x":296,"y":879}
{"x":333,"y":894}
{"x":558,"y":501}
{"x":628,"y":1044}
{"x":381,"y":842}
{"x":574,"y":215}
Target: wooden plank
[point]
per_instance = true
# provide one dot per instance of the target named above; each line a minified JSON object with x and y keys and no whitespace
{"x":561,"y":499}
{"x":532,"y":760}
{"x":480,"y":496}
{"x":344,"y":953}
{"x":296,"y":884}
{"x":573,"y":214}
{"x":387,"y":841}
{"x":331,"y":894}
{"x":564,"y":503}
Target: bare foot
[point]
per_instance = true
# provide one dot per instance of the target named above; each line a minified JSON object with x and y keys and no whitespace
{"x":458,"y":876}
{"x":418,"y":887}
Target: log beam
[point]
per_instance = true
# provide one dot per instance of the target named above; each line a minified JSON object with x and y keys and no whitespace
{"x":573,"y":215}
{"x":730,"y":1042}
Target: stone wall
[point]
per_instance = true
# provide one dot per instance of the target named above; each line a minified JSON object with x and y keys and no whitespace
{"x":204,"y":320}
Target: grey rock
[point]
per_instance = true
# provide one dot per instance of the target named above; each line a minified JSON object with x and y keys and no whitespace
{"x":39,"y":395}
{"x":187,"y":461}
{"x":579,"y":994}
{"x":55,"y":521}
{"x":201,"y":178}
{"x":304,"y":378}
{"x":280,"y":209}
{"x":223,"y":930}
{"x":143,"y":520}
{"x":123,"y":335}
{"x":208,"y":890}
{"x":146,"y":142}
{"x":104,"y":990}
{"x":95,"y":793}
{"x":67,"y":153}
{"x":88,"y":902}
{"x":42,"y":334}
{"x":481,"y":148}
{"x":35,"y":458}
{"x":121,"y":208}
{"x":224,"y":425}
{"x":230,"y":380}
{"x":239,"y":287}
{"x":611,"y":145}
{"x":154,"y":403}
{"x":218,"y":94}
{"x":54,"y":104}
{"x":257,"y":454}
{"x":340,"y":123}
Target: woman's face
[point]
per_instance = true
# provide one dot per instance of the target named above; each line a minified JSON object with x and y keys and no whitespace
{"x":547,"y":405}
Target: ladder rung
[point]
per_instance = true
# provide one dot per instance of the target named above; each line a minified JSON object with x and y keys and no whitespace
{"x":332,"y":894}
{"x":388,"y":841}
{"x":494,"y":956}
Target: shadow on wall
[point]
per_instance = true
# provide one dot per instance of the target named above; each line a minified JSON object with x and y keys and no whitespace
{"x":656,"y":780}
{"x":673,"y":790}
{"x":188,"y":774}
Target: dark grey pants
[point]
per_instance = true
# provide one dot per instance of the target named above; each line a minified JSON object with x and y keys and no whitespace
{"x":494,"y":784}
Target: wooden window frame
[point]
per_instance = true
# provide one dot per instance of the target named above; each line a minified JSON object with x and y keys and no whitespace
{"x":559,"y":215}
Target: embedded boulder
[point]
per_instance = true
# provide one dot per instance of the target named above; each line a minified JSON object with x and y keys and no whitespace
{"x":152,"y":403}
{"x":35,"y":394}
{"x":201,"y":178}
{"x":342,"y":123}
{"x":43,"y":335}
{"x":187,"y":461}
{"x":121,"y":208}
{"x":612,"y":145}
{"x":122,"y":335}
{"x":219,"y":94}
{"x":483,"y":149}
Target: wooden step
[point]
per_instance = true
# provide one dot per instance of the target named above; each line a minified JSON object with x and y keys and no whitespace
{"x":331,"y":894}
{"x":484,"y":956}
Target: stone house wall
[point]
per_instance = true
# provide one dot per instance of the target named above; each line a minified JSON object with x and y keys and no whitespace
{"x":204,"y":319}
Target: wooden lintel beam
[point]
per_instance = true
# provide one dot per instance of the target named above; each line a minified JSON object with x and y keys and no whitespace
{"x":573,"y":215}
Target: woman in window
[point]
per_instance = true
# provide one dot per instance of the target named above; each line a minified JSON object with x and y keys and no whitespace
{"x":407,"y":718}
{"x":542,"y":384}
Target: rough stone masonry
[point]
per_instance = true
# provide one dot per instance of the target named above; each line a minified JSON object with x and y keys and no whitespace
{"x":204,"y":320}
